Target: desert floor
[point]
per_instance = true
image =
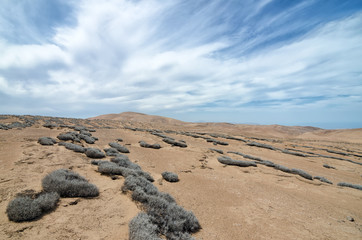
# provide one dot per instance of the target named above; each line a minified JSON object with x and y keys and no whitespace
{"x":230,"y":202}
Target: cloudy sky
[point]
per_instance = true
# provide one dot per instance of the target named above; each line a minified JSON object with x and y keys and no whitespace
{"x":263,"y":62}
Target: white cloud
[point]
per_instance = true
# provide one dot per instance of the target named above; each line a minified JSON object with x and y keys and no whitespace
{"x":29,"y":56}
{"x":131,"y":53}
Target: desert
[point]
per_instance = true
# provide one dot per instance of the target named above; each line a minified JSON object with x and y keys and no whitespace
{"x":228,"y":181}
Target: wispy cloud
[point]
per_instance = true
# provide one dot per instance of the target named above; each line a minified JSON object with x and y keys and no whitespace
{"x":180,"y":57}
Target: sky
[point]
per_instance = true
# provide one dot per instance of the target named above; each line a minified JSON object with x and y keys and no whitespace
{"x":256,"y":62}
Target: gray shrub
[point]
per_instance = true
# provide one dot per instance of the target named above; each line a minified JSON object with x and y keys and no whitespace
{"x":86,"y":138}
{"x":73,"y":147}
{"x":119,"y":147}
{"x":69,"y":184}
{"x":299,"y":154}
{"x":170,"y":176}
{"x":111,"y":152}
{"x":47,"y":141}
{"x":267,"y":163}
{"x":261,"y":145}
{"x":132,"y":182}
{"x":217,"y":150}
{"x":327,"y":166}
{"x":282,"y":168}
{"x":146,"y":145}
{"x":123,"y":161}
{"x":94,"y":153}
{"x":26,"y":208}
{"x":216,"y":142}
{"x":68,"y":136}
{"x":50,"y":125}
{"x":246,"y":156}
{"x":350,"y":185}
{"x":173,"y":142}
{"x":142,"y":228}
{"x":172,"y":220}
{"x":302,"y":173}
{"x":228,"y":161}
{"x":112,"y":168}
{"x":322,"y":179}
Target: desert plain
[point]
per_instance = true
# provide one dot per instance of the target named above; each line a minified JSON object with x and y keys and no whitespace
{"x":230,"y":202}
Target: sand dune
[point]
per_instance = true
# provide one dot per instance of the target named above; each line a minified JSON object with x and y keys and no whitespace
{"x":230,"y":202}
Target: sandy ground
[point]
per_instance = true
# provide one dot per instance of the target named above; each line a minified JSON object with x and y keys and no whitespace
{"x":230,"y":202}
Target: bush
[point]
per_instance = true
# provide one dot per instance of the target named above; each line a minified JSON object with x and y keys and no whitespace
{"x":282,"y":168}
{"x":217,"y":150}
{"x":73,"y":147}
{"x":111,"y":152}
{"x":25,"y":208}
{"x":302,"y":173}
{"x":216,"y":142}
{"x":173,"y":142}
{"x":350,"y":185}
{"x":171,"y":220}
{"x":229,"y":161}
{"x":69,"y":184}
{"x":170,"y":177}
{"x":47,"y":141}
{"x":133,"y":182}
{"x":47,"y":201}
{"x":323,"y":179}
{"x":327,"y":166}
{"x":267,"y":163}
{"x":68,"y":136}
{"x":94,"y":153}
{"x":246,"y":156}
{"x":146,"y":145}
{"x":50,"y":125}
{"x":123,"y":161}
{"x":261,"y":145}
{"x":87,"y":139}
{"x":119,"y":147}
{"x":141,"y":228}
{"x":112,"y":168}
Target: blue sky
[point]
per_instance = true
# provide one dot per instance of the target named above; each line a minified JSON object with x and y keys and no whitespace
{"x":262,"y":62}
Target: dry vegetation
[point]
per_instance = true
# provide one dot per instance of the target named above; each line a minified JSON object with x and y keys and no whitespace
{"x":65,"y":178}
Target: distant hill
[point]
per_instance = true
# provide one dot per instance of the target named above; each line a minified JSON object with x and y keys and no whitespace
{"x":155,"y":121}
{"x":140,"y":117}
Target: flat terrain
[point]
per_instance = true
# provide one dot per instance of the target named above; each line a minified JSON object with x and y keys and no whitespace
{"x":230,"y":202}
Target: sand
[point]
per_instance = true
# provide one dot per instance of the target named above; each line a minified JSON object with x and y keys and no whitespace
{"x":230,"y":202}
